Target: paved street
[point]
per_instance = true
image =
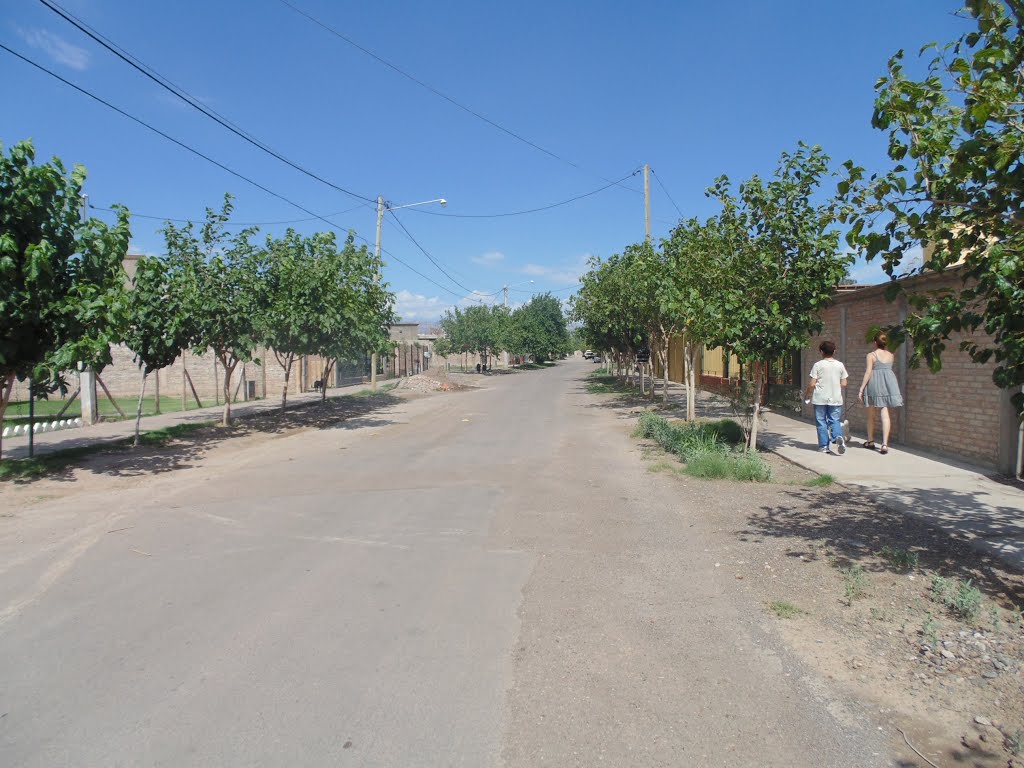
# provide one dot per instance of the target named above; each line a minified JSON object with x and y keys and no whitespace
{"x":480,"y":578}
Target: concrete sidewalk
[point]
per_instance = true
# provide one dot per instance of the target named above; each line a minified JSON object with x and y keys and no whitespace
{"x":113,"y":431}
{"x":972,"y":503}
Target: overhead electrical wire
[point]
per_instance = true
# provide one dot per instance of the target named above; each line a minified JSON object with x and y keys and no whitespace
{"x":657,"y":178}
{"x":230,"y":223}
{"x":179,"y":92}
{"x":441,"y":94}
{"x":209,"y":159}
{"x":433,"y":261}
{"x":530,"y":210}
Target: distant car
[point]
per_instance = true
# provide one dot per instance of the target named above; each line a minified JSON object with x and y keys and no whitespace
{"x":596,"y":358}
{"x":588,"y":354}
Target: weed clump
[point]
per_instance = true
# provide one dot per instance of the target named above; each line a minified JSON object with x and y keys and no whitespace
{"x":785,"y":609}
{"x":961,"y":598}
{"x":900,"y":558}
{"x":708,"y":448}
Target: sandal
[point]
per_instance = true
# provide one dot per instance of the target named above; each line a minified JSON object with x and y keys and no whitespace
{"x":883,"y":450}
{"x":869,"y":444}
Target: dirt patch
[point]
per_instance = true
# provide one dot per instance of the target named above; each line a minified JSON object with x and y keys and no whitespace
{"x":852,"y":588}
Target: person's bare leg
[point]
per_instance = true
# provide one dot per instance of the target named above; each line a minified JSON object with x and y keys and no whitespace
{"x":871,"y":424}
{"x":886,"y":424}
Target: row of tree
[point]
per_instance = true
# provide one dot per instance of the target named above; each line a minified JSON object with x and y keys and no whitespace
{"x":754,"y":277}
{"x":65,"y":299}
{"x":537,"y":329}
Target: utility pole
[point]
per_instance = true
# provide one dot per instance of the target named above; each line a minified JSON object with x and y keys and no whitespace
{"x":505,"y":289}
{"x":647,"y":200}
{"x":376,"y":253}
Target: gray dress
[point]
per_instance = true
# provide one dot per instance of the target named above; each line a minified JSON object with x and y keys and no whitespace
{"x":882,"y":391}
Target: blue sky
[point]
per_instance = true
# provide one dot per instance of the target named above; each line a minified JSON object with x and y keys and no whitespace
{"x":694,"y":89}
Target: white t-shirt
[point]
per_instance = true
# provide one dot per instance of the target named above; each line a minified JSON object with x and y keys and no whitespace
{"x":827,"y":373}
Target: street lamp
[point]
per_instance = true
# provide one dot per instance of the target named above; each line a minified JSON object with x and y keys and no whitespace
{"x":506,"y":287}
{"x":383,"y":205}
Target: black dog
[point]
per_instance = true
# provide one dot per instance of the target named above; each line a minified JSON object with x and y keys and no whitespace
{"x":318,"y":385}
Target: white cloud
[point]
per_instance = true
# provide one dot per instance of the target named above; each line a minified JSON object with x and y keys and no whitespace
{"x":489,"y":259}
{"x":415,"y":306}
{"x":562,"y":274}
{"x":56,"y":47}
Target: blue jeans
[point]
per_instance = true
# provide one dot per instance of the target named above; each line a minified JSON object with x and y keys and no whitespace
{"x":826,"y":417}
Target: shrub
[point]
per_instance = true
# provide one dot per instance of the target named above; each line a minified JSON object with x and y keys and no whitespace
{"x":728,"y":430}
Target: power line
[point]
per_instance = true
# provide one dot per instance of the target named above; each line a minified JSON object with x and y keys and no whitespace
{"x":451,"y":100}
{"x":530,"y":210}
{"x":230,"y":223}
{"x":166,"y":84}
{"x":665,"y":190}
{"x":209,"y":159}
{"x":425,"y":85}
{"x":433,"y":261}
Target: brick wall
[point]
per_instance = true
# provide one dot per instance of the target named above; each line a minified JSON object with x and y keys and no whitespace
{"x":958,"y":412}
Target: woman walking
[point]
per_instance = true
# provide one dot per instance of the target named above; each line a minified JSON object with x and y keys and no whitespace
{"x":880,"y":391}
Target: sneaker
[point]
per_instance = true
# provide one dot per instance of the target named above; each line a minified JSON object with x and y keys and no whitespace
{"x":824,"y":450}
{"x":840,"y":445}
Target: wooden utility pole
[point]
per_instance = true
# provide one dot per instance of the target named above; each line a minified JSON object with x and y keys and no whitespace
{"x":647,"y":200}
{"x":376,"y":253}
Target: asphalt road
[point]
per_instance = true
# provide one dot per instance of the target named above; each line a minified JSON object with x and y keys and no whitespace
{"x":482,"y":578}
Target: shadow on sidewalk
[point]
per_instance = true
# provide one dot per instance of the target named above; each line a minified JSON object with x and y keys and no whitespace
{"x":850,"y":529}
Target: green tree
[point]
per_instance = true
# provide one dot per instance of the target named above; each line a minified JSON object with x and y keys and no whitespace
{"x":693,"y":273}
{"x":220,"y":283}
{"x":359,"y":309}
{"x":778,"y":257}
{"x":479,"y":329}
{"x":61,"y":280}
{"x":538,"y":328}
{"x":957,"y":138}
{"x":294,"y":301}
{"x":157,"y":324}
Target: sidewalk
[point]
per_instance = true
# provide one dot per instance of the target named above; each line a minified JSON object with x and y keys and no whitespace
{"x":113,"y":431}
{"x":971,"y":503}
{"x":966,"y":501}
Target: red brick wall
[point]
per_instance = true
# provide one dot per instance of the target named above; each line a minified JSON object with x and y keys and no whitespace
{"x":957,"y":412}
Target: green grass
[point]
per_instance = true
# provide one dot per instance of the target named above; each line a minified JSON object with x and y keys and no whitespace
{"x":46,"y":410}
{"x":961,"y":598}
{"x":785,"y":609}
{"x":166,"y":434}
{"x":382,"y":389}
{"x":900,"y":558}
{"x":855,"y":582}
{"x":821,"y":481}
{"x":24,"y":469}
{"x":709,"y":448}
{"x":604,"y":385}
{"x":47,"y":463}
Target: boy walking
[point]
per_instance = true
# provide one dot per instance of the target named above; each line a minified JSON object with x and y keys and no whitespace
{"x":825,"y":392}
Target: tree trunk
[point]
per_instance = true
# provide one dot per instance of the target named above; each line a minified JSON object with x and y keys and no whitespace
{"x":287,"y":365}
{"x":664,"y":371}
{"x":229,"y":369}
{"x":758,"y":384}
{"x":691,"y":383}
{"x":138,"y":411}
{"x":5,"y":397}
{"x":330,"y":362}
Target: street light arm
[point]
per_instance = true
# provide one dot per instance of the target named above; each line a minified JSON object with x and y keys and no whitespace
{"x":391,"y":207}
